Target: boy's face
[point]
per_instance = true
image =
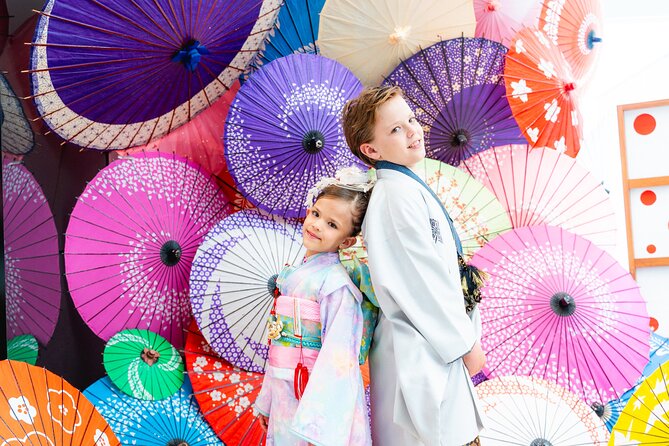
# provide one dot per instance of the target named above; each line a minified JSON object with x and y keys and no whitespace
{"x":327,"y":226}
{"x":398,"y":137}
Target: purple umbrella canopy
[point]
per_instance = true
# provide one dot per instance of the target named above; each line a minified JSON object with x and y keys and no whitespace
{"x":233,"y":279}
{"x":283,"y":131}
{"x":32,"y":260}
{"x":456,"y":89}
{"x":112,"y":74}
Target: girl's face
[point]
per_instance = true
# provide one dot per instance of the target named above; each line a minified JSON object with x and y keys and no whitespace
{"x":328,"y":226}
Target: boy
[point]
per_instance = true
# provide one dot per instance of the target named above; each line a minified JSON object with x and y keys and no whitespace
{"x":425,"y":346}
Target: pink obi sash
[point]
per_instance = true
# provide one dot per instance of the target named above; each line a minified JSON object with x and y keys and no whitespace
{"x":301,"y":318}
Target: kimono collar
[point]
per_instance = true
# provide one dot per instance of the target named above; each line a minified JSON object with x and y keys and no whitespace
{"x":387,"y":165}
{"x":325,"y":258}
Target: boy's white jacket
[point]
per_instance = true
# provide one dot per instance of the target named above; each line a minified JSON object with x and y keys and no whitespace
{"x":421,"y":391}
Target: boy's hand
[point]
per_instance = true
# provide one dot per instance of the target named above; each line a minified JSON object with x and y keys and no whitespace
{"x":263,"y":421}
{"x":475,"y":359}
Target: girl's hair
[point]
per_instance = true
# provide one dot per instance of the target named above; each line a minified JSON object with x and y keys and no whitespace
{"x":358,"y":199}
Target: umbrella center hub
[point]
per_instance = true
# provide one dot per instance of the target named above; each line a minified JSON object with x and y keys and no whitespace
{"x":492,"y":5}
{"x":170,"y":253}
{"x":563,"y":304}
{"x":176,"y":442}
{"x":399,"y":35}
{"x":313,"y":142}
{"x":150,"y":356}
{"x":598,"y":408}
{"x":460,"y":138}
{"x":541,"y":442}
{"x":271,"y":284}
{"x":190,"y":54}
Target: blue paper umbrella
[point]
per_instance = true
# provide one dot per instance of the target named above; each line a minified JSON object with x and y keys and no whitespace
{"x":171,"y":421}
{"x":283,"y":132}
{"x":295,"y":31}
{"x":659,"y":353}
{"x":112,"y":74}
{"x":456,"y":89}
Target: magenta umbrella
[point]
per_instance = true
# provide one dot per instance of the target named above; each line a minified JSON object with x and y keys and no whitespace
{"x":557,"y":307}
{"x":32,"y":260}
{"x":131,"y":239}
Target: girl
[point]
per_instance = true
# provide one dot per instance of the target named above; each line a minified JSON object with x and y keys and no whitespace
{"x":316,"y":329}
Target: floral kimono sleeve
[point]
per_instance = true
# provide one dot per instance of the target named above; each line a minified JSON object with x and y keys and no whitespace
{"x":332,"y":410}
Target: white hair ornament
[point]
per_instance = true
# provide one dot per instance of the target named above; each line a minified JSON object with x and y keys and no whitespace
{"x":348,"y":178}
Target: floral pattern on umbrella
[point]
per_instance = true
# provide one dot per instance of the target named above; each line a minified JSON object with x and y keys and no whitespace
{"x":477,"y":214}
{"x":225,"y":393}
{"x":456,"y":90}
{"x":31,"y":256}
{"x":543,"y":93}
{"x":175,"y":420}
{"x":529,"y":411}
{"x":284,"y":133}
{"x":544,"y":187}
{"x":557,"y":307}
{"x":575,"y":26}
{"x":38,"y":407}
{"x":131,"y":239}
{"x":233,"y":280}
{"x":116,"y":74}
{"x":16,"y":135}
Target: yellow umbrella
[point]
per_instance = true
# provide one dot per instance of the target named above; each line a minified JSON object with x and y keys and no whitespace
{"x":371,"y":37}
{"x":645,"y":418}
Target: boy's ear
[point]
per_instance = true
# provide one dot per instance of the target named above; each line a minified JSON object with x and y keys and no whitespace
{"x":347,"y":243}
{"x":369,"y":151}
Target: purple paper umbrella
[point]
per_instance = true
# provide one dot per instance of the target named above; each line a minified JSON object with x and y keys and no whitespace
{"x":456,"y":89}
{"x":559,"y":308}
{"x":32,"y":261}
{"x":112,"y":74}
{"x":233,"y":279}
{"x":283,"y":131}
{"x":131,"y":240}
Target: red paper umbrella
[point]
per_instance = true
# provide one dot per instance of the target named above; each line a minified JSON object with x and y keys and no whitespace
{"x":225,"y":393}
{"x":575,"y":27}
{"x":543,"y":93}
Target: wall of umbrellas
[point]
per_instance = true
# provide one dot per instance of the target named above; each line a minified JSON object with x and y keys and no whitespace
{"x":156,"y":156}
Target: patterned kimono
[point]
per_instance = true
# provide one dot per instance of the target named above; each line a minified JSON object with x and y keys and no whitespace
{"x":332,"y":410}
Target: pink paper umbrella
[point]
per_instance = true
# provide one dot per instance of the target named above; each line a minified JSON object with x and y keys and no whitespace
{"x":544,"y":187}
{"x":32,"y":264}
{"x":499,"y":20}
{"x":131,"y":240}
{"x":557,"y":307}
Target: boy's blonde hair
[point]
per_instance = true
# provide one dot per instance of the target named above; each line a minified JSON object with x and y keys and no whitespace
{"x":360,"y":115}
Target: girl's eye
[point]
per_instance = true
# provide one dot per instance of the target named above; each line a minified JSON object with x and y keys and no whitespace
{"x":412,"y":119}
{"x":314,"y":213}
{"x":396,"y":129}
{"x":332,"y":225}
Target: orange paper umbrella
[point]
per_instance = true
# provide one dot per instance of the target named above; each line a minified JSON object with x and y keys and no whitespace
{"x":542,"y":93}
{"x":575,"y":27}
{"x":38,"y":407}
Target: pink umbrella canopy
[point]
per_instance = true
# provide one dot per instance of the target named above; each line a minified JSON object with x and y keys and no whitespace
{"x":32,"y":263}
{"x":499,"y":20}
{"x":557,"y":307}
{"x":544,"y":187}
{"x":131,"y":240}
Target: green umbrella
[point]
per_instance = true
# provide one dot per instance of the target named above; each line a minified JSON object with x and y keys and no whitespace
{"x":23,"y":348}
{"x":477,"y":214}
{"x":143,"y":364}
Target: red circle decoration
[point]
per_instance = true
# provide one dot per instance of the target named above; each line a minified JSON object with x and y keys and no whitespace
{"x":654,"y":324}
{"x":651,"y":249}
{"x":644,"y":124}
{"x":648,"y":197}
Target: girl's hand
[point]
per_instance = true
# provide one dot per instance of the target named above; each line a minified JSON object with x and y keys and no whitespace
{"x":264,"y":421}
{"x":475,"y":359}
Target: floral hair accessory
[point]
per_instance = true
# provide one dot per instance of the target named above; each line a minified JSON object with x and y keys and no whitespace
{"x":348,"y":178}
